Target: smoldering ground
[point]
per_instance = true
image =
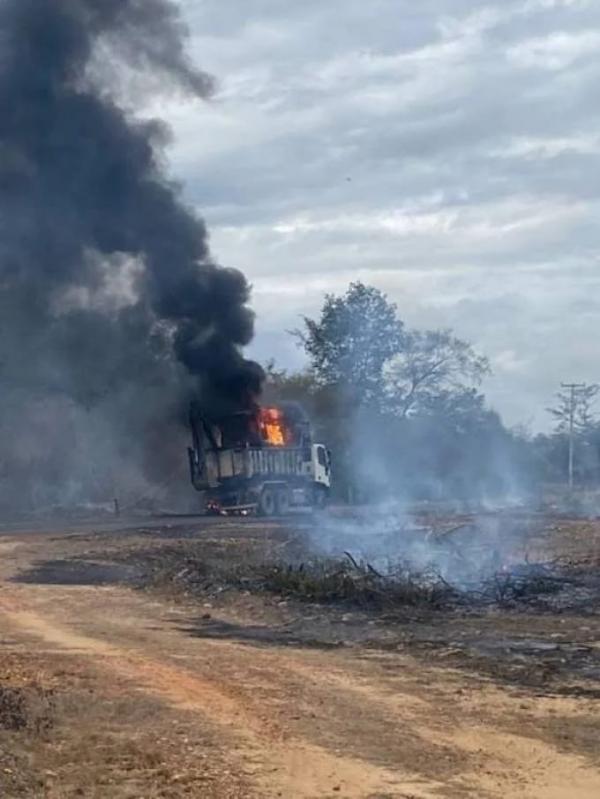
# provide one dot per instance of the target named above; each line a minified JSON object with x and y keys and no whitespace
{"x":113,"y":313}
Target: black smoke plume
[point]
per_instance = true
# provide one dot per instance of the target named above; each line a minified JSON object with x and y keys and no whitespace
{"x":112,"y":312}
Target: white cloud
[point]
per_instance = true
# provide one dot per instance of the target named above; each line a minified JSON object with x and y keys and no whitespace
{"x":556,"y":51}
{"x":549,"y":147}
{"x":445,"y":151}
{"x":536,"y":5}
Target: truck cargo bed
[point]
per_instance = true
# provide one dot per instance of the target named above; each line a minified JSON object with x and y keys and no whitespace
{"x":252,"y":462}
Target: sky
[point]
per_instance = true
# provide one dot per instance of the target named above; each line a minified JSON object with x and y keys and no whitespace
{"x":445,"y":151}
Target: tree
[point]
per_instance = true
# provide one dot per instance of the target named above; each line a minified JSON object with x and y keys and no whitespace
{"x":355,"y":337}
{"x":432,"y":365}
{"x":400,"y":409}
{"x":575,"y":424}
{"x":579,"y":403}
{"x":280,"y":385}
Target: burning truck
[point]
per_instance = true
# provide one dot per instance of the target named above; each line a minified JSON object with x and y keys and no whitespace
{"x":261,"y":461}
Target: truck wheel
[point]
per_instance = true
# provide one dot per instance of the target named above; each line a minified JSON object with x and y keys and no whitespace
{"x":283,"y":502}
{"x":267,"y":504}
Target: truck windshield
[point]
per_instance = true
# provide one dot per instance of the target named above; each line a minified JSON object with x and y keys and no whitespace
{"x":322,"y":456}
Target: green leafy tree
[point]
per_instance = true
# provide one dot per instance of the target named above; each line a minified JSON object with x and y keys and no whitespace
{"x":400,"y":409}
{"x":580,"y":405}
{"x":432,"y":365}
{"x":349,"y":345}
{"x":573,"y":412}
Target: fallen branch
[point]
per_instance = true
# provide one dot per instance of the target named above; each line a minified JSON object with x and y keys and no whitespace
{"x":352,"y":561}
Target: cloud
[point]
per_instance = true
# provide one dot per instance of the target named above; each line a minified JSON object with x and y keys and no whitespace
{"x":445,"y":151}
{"x":555,"y":52}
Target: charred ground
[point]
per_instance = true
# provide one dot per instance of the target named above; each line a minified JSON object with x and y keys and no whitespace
{"x":223,"y":657}
{"x":532,"y":621}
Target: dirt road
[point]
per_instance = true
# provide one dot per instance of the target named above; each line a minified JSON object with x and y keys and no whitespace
{"x":200,"y":709}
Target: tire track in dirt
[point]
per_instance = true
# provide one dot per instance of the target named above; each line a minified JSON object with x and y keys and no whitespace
{"x":509,"y":763}
{"x":284,"y":766}
{"x":228,"y":682}
{"x":555,"y":773}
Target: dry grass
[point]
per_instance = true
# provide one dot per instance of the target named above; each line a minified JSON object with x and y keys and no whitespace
{"x":204,"y":571}
{"x":353,"y":583}
{"x":64,"y":734}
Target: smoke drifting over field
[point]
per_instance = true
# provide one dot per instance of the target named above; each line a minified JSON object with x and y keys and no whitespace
{"x":113,"y":312}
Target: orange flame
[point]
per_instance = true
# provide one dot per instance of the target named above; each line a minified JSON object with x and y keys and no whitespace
{"x":272,"y":427}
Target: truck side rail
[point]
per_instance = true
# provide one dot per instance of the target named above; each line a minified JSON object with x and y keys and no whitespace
{"x":275,"y":461}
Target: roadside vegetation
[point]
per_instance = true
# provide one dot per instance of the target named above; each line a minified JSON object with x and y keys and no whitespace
{"x":405,"y":415}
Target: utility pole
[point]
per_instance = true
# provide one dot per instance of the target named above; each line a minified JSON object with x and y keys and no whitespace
{"x":574,"y":388}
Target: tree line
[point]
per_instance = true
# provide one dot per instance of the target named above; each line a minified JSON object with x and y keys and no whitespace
{"x":404,"y":414}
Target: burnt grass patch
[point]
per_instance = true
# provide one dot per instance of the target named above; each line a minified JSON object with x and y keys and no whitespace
{"x":528,"y":625}
{"x":31,"y":708}
{"x":283,"y":570}
{"x":354,"y":584}
{"x":281,"y":564}
{"x":79,"y":571}
{"x":286,"y":568}
{"x":529,"y":628}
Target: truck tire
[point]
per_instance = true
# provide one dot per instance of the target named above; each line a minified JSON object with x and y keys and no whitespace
{"x":283,"y":502}
{"x":267,"y":503}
